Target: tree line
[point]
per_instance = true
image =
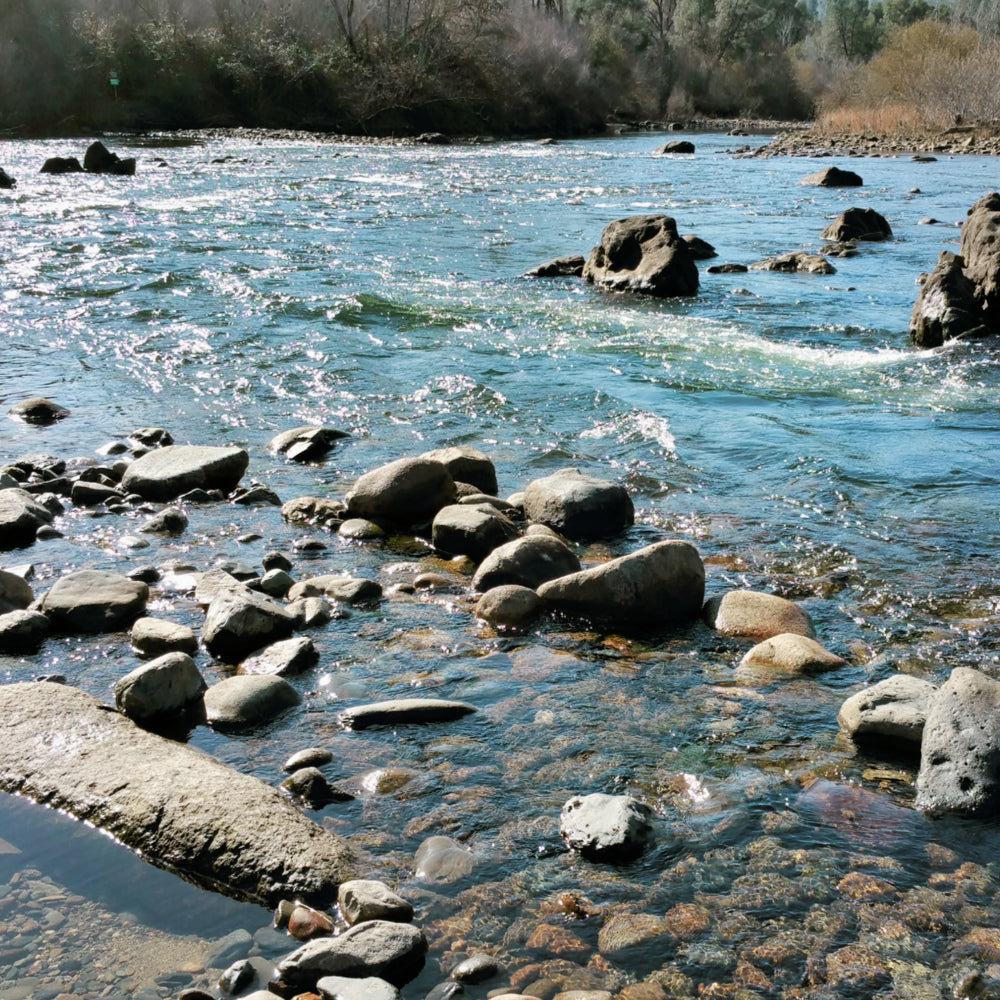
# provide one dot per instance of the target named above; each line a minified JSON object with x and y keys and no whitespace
{"x":382,"y":67}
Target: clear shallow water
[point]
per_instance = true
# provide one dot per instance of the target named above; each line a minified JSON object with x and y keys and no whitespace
{"x":782,"y":423}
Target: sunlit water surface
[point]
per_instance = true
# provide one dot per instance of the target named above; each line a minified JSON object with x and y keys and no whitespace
{"x":237,"y":287}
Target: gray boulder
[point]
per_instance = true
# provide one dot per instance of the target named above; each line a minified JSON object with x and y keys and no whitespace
{"x":858,"y":224}
{"x":473,"y":531}
{"x":248,"y":700}
{"x":20,"y":518}
{"x":21,"y":631}
{"x":796,"y":262}
{"x":561,"y":267}
{"x":282,"y":659}
{"x":7,"y":183}
{"x":346,"y":988}
{"x":700,"y":249}
{"x":337,"y":587}
{"x":366,"y":899}
{"x":467,"y":465}
{"x":305,"y":444}
{"x":960,"y":750}
{"x":241,"y":621}
{"x":407,"y":491}
{"x":164,"y":474}
{"x":577,"y":505}
{"x":15,"y":592}
{"x":833,"y":177}
{"x":526,"y":562}
{"x":757,"y":616}
{"x":509,"y":606}
{"x":947,"y":306}
{"x":38,"y":410}
{"x":383,"y":949}
{"x":62,"y":165}
{"x":173,"y":804}
{"x":675,"y":146}
{"x":892,"y":713}
{"x":404,"y":711}
{"x":662,"y":584}
{"x":93,"y":600}
{"x":165,"y":687}
{"x":606,"y":827}
{"x":980,"y":250}
{"x":642,"y":254}
{"x":169,"y":521}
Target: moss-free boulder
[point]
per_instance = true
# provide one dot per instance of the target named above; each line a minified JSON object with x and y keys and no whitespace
{"x":164,"y":474}
{"x":94,"y":601}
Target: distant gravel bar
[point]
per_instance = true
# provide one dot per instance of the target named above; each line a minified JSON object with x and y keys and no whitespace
{"x":958,"y":140}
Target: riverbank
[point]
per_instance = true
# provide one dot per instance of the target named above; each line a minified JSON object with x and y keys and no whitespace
{"x":816,"y":141}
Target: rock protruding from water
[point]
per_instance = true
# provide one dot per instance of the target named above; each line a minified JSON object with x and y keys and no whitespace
{"x":891,"y":714}
{"x":606,"y":827}
{"x":164,"y":474}
{"x":467,"y":465}
{"x":980,"y":250}
{"x":93,"y":601}
{"x":367,"y":899}
{"x":405,"y":711}
{"x":676,"y":146}
{"x":98,"y":159}
{"x":577,"y":505}
{"x":305,"y":444}
{"x":858,"y":224}
{"x":795,"y":262}
{"x":509,"y":606}
{"x":349,"y":988}
{"x":62,"y":165}
{"x":960,"y":749}
{"x":791,"y":653}
{"x":248,"y":700}
{"x":173,"y":804}
{"x":164,"y":688}
{"x":947,"y":307}
{"x":155,"y":636}
{"x":283,"y":659}
{"x":561,"y":267}
{"x":15,"y":592}
{"x":644,"y":254}
{"x":660,"y":585}
{"x":471,"y":530}
{"x":38,"y":410}
{"x":20,"y":518}
{"x":7,"y":183}
{"x":441,"y":859}
{"x":529,"y":561}
{"x":383,"y":949}
{"x":22,"y":631}
{"x":833,"y":177}
{"x":757,"y":616}
{"x":240,"y":621}
{"x":408,"y":491}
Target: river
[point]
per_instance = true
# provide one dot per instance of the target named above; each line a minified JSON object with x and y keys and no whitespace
{"x":240,"y":285}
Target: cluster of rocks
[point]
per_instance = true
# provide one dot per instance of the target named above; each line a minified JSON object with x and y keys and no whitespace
{"x":960,"y":297}
{"x":97,"y":159}
{"x":921,"y":145}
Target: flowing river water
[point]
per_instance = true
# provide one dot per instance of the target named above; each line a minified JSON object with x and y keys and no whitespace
{"x":242,"y":285}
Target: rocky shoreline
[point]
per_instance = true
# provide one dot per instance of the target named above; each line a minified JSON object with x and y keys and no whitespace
{"x":970,"y":140}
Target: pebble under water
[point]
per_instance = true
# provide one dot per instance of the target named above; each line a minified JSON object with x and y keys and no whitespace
{"x":240,"y":285}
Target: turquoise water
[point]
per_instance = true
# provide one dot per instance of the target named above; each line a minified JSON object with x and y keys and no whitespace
{"x":781,"y":423}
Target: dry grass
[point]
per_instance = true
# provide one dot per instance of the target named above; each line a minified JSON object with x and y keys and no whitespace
{"x":889,"y":119}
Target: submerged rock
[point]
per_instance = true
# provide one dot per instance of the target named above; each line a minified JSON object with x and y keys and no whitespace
{"x":606,"y":827}
{"x":166,"y":473}
{"x":960,"y":749}
{"x":175,"y":805}
{"x":404,"y":711}
{"x":441,"y":859}
{"x":644,"y":254}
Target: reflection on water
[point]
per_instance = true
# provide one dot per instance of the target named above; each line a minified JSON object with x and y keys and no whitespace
{"x":779,"y":422}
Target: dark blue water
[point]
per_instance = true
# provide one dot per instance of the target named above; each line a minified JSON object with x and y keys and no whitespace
{"x":780,"y":422}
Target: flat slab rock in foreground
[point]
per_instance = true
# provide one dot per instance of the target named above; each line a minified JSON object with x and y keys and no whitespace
{"x":182,"y":809}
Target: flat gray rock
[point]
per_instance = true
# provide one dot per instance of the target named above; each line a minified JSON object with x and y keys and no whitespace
{"x":166,"y":473}
{"x":248,"y":700}
{"x":175,"y":805}
{"x":367,"y":899}
{"x":241,"y":621}
{"x":156,"y":636}
{"x":21,"y":515}
{"x":22,"y":630}
{"x":577,"y":505}
{"x":757,"y":616}
{"x":407,"y":491}
{"x":344,"y":988}
{"x":404,"y":711}
{"x":527,"y":562}
{"x":960,"y":750}
{"x":92,"y":600}
{"x":606,"y":827}
{"x":283,"y":659}
{"x":662,"y":584}
{"x":167,"y":686}
{"x":379,"y":948}
{"x":892,"y":713}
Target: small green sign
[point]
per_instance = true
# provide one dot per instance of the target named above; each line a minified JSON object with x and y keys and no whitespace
{"x":115,"y":81}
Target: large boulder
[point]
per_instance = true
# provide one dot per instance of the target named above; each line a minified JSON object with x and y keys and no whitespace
{"x":240,"y":621}
{"x":577,"y":505}
{"x":164,"y":688}
{"x":960,"y":749}
{"x":173,"y":804}
{"x":164,"y":474}
{"x":62,"y":165}
{"x":92,"y":600}
{"x":467,"y":465}
{"x":384,"y":949}
{"x":21,"y":515}
{"x":98,"y":159}
{"x":662,"y":584}
{"x":947,"y":305}
{"x":471,"y":530}
{"x":756,"y":615}
{"x":980,"y":250}
{"x":606,"y":827}
{"x":833,"y":177}
{"x":529,"y":561}
{"x":7,"y":183}
{"x":561,"y":267}
{"x":891,"y":714}
{"x":645,"y":254}
{"x":408,"y":491}
{"x":248,"y":700}
{"x":22,"y":631}
{"x":858,"y":224}
{"x":367,"y":899}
